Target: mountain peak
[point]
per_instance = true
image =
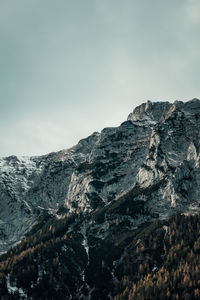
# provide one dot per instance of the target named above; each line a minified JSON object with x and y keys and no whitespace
{"x":155,"y":111}
{"x":94,"y":207}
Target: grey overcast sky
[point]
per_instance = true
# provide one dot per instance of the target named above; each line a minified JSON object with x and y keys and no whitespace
{"x":71,"y":67}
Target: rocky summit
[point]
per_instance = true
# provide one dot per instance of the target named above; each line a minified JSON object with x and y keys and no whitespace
{"x":98,"y":194}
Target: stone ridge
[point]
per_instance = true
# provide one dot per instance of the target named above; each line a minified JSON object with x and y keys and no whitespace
{"x":155,"y":111}
{"x":151,"y":160}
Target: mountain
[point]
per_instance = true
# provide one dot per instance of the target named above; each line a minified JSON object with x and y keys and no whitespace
{"x":81,"y":218}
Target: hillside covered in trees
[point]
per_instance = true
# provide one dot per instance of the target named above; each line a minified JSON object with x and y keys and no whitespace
{"x":177,"y":274}
{"x":159,"y":260}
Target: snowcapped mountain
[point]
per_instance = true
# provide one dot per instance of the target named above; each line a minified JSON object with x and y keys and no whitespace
{"x":151,"y":161}
{"x":86,"y":219}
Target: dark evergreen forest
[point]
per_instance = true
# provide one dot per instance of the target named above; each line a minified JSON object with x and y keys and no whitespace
{"x":159,"y":260}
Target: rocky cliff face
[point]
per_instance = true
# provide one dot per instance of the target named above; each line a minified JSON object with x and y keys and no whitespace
{"x":86,"y":215}
{"x":146,"y":168}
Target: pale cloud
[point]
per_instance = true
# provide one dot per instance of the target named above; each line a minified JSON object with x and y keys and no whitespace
{"x":69,"y":68}
{"x":192,"y":8}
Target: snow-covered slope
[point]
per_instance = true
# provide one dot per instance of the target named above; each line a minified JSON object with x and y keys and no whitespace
{"x":151,"y":159}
